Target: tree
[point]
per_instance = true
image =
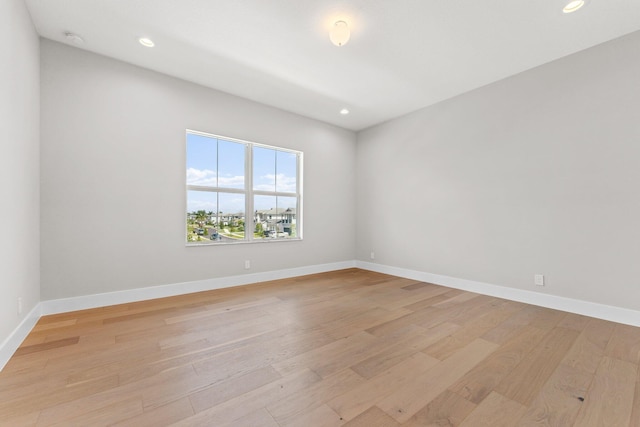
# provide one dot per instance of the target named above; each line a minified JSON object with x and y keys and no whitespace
{"x":201,"y":218}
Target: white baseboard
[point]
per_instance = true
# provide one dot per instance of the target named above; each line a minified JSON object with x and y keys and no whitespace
{"x":142,"y":294}
{"x":13,"y":341}
{"x":586,"y":308}
{"x":64,"y":305}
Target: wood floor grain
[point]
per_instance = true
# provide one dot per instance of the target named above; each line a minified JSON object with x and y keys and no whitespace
{"x":346,"y":348}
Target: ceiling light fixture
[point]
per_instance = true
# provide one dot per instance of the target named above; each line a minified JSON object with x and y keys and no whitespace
{"x":573,"y":5}
{"x":340,"y":33}
{"x":146,"y":42}
{"x":344,"y":111}
{"x":73,"y":38}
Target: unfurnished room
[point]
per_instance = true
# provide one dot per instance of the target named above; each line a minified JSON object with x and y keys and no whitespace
{"x":275,"y":213}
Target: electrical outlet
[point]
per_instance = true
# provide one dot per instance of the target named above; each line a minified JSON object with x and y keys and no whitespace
{"x":247,"y":264}
{"x":19,"y":305}
{"x":538,"y":279}
{"x":373,"y":255}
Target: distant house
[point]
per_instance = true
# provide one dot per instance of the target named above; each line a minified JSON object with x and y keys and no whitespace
{"x":278,"y":220}
{"x":230,"y":219}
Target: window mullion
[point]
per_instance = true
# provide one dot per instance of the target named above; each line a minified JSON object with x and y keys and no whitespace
{"x":299,"y":206}
{"x":249,"y":225}
{"x":273,"y":193}
{"x":216,"y":189}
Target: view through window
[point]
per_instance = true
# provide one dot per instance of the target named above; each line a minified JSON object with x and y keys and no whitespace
{"x":226,"y":178}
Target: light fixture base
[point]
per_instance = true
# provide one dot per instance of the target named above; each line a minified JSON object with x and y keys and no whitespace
{"x":73,"y":37}
{"x":340,"y":33}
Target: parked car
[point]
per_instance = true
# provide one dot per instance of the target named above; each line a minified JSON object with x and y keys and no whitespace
{"x":214,"y":236}
{"x":200,"y":231}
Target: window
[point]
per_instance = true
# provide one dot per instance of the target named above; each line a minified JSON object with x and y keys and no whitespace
{"x":226,"y":178}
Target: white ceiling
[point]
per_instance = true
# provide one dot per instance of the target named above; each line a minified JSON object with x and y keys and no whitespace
{"x":403,"y":54}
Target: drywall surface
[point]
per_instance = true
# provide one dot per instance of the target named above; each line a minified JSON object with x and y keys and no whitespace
{"x":113,"y":178}
{"x":536,"y":174}
{"x":19,"y":165}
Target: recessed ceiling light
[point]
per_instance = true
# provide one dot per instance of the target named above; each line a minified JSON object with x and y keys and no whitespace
{"x":344,"y":111}
{"x":146,"y":42}
{"x":573,"y":5}
{"x":73,"y":38}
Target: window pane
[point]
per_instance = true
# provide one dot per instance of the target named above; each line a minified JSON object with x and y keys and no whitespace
{"x":275,"y":217}
{"x":264,"y":216}
{"x":264,"y":169}
{"x":201,"y":160}
{"x":201,"y":215}
{"x":286,"y":175}
{"x":230,"y":164}
{"x":286,"y":224}
{"x":231,"y":219}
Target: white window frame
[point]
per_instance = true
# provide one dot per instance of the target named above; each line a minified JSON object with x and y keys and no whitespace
{"x":249,"y":192}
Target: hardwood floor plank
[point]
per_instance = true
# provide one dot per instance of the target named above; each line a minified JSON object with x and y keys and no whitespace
{"x":419,"y":285}
{"x":547,"y":318}
{"x":372,"y":417}
{"x":320,"y":416}
{"x":486,"y":310}
{"x":574,"y":321}
{"x":100,"y":398}
{"x":288,"y":411}
{"x":448,"y":409}
{"x":455,"y":301}
{"x":362,"y":397}
{"x":224,"y":390}
{"x":403,"y":404}
{"x":104,"y":416}
{"x":495,"y":411}
{"x":589,"y":347}
{"x":221,"y":307}
{"x":536,"y":368}
{"x":483,"y":378}
{"x":45,"y":398}
{"x":259,"y":354}
{"x":456,"y":311}
{"x":560,"y":399}
{"x":47,"y":326}
{"x":259,"y":418}
{"x":414,"y":339}
{"x":513,"y":325}
{"x":160,"y":416}
{"x":625,"y":344}
{"x":371,"y":318}
{"x":46,"y":346}
{"x":234,"y":409}
{"x":635,"y":413}
{"x":28,"y":419}
{"x":609,"y":401}
{"x":440,"y":294}
{"x":321,"y":355}
{"x":393,"y":326}
{"x":454,"y":342}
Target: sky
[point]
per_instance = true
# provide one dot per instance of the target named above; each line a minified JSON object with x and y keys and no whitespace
{"x":215,"y":162}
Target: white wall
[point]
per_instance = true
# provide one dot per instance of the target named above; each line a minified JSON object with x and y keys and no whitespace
{"x":113,"y":168}
{"x":19,"y":165}
{"x":538,"y":173}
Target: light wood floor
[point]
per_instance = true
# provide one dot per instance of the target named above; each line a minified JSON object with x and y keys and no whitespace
{"x":350,"y":348}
